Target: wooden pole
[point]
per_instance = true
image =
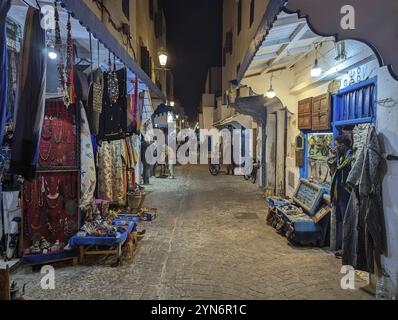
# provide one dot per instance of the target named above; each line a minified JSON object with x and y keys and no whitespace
{"x":5,"y":284}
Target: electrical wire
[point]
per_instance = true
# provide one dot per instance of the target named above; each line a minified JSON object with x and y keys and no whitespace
{"x":104,"y":9}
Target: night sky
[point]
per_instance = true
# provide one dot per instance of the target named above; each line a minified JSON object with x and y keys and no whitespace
{"x":194,"y":41}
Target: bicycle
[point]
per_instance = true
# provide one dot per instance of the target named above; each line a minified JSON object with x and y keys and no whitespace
{"x":253,"y":175}
{"x":214,"y":169}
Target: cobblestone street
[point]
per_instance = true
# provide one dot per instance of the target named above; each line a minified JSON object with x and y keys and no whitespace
{"x":210,"y":241}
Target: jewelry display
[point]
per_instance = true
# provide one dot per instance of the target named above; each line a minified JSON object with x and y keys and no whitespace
{"x":27,"y":228}
{"x":48,"y":154}
{"x":41,"y":192}
{"x":28,"y":197}
{"x":113,"y":83}
{"x":58,"y":138}
{"x":35,"y":228}
{"x":52,"y":196}
{"x":46,"y":133}
{"x":69,"y":63}
{"x":58,"y":48}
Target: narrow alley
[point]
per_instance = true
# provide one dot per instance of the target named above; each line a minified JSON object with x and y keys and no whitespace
{"x":210,"y":241}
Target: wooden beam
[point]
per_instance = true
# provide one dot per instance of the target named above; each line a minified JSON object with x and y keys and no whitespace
{"x":296,"y":35}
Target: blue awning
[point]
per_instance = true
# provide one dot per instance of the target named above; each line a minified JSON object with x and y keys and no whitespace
{"x":93,"y":24}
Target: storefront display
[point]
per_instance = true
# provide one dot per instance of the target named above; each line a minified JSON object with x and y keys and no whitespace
{"x":54,"y":155}
{"x":59,"y":137}
{"x":50,"y":208}
{"x":320,"y":149}
{"x":304,"y":220}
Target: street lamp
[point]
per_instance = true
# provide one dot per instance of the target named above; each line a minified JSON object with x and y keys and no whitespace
{"x":172,"y":103}
{"x":163,"y":57}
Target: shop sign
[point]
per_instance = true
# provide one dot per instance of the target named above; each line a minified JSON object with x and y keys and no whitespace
{"x":369,"y":21}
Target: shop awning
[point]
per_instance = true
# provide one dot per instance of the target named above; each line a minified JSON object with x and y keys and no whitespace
{"x":89,"y":20}
{"x":253,"y":106}
{"x":237,"y":122}
{"x":326,"y":18}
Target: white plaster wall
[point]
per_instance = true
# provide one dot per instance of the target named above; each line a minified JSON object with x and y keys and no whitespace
{"x":387,"y":125}
{"x":208,"y":117}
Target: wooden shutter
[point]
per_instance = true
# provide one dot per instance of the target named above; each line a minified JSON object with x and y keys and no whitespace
{"x":228,"y":42}
{"x":321,"y":113}
{"x":145,"y":61}
{"x":305,"y":114}
{"x":158,"y":25}
{"x":151,"y":9}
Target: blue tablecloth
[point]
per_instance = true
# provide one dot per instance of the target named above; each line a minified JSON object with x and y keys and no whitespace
{"x":43,"y":258}
{"x":77,"y":241}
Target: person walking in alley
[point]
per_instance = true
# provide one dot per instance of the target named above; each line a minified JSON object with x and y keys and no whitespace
{"x":146,"y":167}
{"x":339,"y":194}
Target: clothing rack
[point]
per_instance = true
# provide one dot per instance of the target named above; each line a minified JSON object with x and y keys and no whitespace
{"x":391,"y":157}
{"x":30,"y":5}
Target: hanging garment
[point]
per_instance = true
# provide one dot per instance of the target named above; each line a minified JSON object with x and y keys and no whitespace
{"x":105,"y":172}
{"x":113,"y":119}
{"x":30,"y":103}
{"x":13,"y":64}
{"x":119,"y":173}
{"x":4,"y":7}
{"x":11,"y":208}
{"x":130,"y":115}
{"x":80,"y":84}
{"x":88,"y":173}
{"x":364,"y":235}
{"x":95,"y":101}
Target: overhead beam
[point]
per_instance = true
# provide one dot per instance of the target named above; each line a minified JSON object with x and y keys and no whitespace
{"x":287,"y":21}
{"x":265,"y":56}
{"x":295,"y":36}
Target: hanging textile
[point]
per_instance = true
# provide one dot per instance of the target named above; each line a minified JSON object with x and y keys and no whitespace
{"x":95,"y":101}
{"x":364,"y":235}
{"x":30,"y":100}
{"x":135,"y":101}
{"x":140,"y":111}
{"x":13,"y":64}
{"x":4,"y":7}
{"x":113,"y":119}
{"x":80,"y":83}
{"x":119,"y":173}
{"x":130,"y":115}
{"x":105,"y":184}
{"x":88,"y":173}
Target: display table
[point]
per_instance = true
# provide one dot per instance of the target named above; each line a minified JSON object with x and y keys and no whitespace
{"x":305,"y":219}
{"x":89,"y":245}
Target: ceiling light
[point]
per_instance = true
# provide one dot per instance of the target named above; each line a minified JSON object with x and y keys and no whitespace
{"x":316,"y":70}
{"x":52,"y":54}
{"x":271,"y":93}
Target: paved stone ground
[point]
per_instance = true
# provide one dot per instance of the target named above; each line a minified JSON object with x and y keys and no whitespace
{"x":209,"y":242}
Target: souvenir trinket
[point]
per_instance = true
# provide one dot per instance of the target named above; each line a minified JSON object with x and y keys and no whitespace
{"x":35,"y":249}
{"x":44,"y":244}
